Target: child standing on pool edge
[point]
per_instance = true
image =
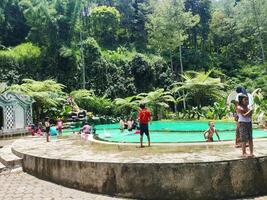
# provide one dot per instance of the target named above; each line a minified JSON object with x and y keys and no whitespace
{"x":245,"y":124}
{"x":144,"y":116}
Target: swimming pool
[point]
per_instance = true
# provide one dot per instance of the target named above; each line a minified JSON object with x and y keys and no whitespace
{"x":172,"y":132}
{"x":178,"y":126}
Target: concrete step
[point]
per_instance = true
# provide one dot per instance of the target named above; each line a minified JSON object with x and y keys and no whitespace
{"x":2,"y":168}
{"x":9,"y":159}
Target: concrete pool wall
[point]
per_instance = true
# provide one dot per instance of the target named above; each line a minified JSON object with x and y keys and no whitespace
{"x":199,"y":180}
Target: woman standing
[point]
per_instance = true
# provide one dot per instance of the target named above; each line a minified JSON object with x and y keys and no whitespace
{"x":245,"y":124}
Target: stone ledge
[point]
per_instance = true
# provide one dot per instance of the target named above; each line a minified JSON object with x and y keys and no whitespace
{"x":198,"y":180}
{"x":2,"y":167}
{"x":8,"y":158}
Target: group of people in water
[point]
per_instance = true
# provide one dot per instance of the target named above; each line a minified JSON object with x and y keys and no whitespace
{"x":129,"y":124}
{"x":50,"y":129}
{"x":243,"y":117}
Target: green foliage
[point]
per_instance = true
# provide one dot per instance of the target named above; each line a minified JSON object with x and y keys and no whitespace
{"x":127,"y":105}
{"x":143,"y":73}
{"x":116,"y":41}
{"x":168,"y":24}
{"x":253,"y":77}
{"x":158,"y":101}
{"x":250,"y":16}
{"x":20,"y":61}
{"x":3,"y":87}
{"x":13,"y":29}
{"x":104,"y":24}
{"x":24,"y":52}
{"x":86,"y":99}
{"x":192,"y":112}
{"x":217,"y":111}
{"x":119,"y":54}
{"x":48,"y":95}
{"x":200,"y":87}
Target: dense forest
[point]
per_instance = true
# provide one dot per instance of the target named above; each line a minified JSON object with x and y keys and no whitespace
{"x":119,"y":48}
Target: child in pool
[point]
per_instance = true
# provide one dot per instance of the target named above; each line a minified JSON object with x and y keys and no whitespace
{"x":47,"y":128}
{"x":53,"y":131}
{"x":39,"y":129}
{"x":208,"y":134}
{"x":122,"y":124}
{"x":59,"y":126}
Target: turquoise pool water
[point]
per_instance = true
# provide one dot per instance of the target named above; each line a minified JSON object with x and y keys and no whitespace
{"x":126,"y":136}
{"x":178,"y":126}
{"x":170,"y":131}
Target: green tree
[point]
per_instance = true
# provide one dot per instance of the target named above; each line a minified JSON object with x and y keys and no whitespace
{"x":48,"y":95}
{"x":126,"y":105}
{"x":167,"y":26}
{"x":198,"y":35}
{"x":13,"y":28}
{"x":143,"y":73}
{"x":157,"y":100}
{"x":252,"y":15}
{"x":104,"y":24}
{"x":22,"y":61}
{"x":86,"y":99}
{"x":200,"y":87}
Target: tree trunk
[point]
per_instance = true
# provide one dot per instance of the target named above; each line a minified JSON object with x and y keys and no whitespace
{"x":182,"y":71}
{"x":259,"y":31}
{"x":181,"y":59}
{"x":171,"y":63}
{"x":175,"y":105}
{"x":262,"y":48}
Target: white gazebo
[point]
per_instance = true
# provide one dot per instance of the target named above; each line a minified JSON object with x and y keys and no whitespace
{"x":15,"y":112}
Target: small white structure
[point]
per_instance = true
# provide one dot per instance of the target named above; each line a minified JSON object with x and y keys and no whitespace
{"x":15,"y":112}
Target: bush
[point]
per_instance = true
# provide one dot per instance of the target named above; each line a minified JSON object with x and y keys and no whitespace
{"x":143,"y":73}
{"x":87,"y":100}
{"x":20,"y":62}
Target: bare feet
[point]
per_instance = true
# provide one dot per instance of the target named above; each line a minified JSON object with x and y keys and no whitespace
{"x":245,"y":155}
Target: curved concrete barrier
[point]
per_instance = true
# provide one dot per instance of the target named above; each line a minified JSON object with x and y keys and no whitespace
{"x":208,"y":180}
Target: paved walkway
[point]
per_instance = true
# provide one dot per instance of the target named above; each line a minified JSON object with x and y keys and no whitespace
{"x":21,"y":186}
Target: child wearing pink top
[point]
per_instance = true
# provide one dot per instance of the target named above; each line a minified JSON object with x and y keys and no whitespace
{"x":59,"y":126}
{"x":86,"y":128}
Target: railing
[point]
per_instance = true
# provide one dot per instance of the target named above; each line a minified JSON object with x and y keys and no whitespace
{"x":13,"y":132}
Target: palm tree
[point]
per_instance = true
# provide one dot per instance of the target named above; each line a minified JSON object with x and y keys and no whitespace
{"x":157,"y":100}
{"x":200,"y":87}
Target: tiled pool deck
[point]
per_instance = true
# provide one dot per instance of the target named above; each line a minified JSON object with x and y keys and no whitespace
{"x":122,"y":169}
{"x":76,"y":149}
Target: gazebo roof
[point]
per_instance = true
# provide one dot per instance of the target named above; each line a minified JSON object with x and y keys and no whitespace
{"x":10,"y":97}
